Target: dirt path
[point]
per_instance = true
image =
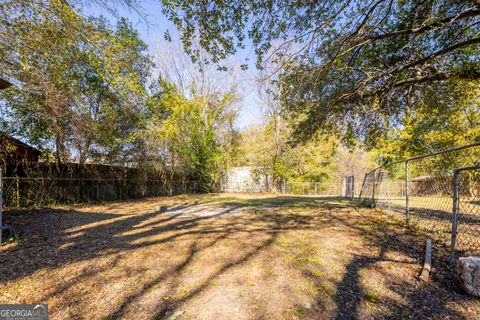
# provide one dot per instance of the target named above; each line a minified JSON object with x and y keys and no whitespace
{"x":223,"y":257}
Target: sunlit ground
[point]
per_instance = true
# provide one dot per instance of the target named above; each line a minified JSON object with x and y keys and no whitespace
{"x":224,"y":256}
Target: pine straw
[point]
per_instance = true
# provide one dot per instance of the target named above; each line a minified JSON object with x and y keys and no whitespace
{"x":236,"y":257}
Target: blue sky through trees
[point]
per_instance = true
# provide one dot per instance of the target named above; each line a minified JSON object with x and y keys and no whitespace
{"x":152,"y":24}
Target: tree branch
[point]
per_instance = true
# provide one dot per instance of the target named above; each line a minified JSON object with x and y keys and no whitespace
{"x":471,"y":12}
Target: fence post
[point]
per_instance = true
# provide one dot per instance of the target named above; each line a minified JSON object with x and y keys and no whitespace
{"x":454,"y":217}
{"x":1,"y":207}
{"x":374,"y":203}
{"x":363,"y":185}
{"x":407,"y":193}
{"x":17,"y":191}
{"x":353,"y":188}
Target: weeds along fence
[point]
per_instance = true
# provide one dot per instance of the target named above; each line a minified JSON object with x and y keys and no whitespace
{"x":249,"y":179}
{"x":288,"y":187}
{"x":41,"y":184}
{"x":313,"y":188}
{"x":437,"y":192}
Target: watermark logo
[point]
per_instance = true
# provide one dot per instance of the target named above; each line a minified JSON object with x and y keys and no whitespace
{"x":23,"y":312}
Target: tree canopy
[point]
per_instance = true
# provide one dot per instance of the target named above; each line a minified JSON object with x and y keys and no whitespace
{"x":351,"y":67}
{"x":195,"y":136}
{"x":80,"y":82}
{"x":399,"y":77}
{"x":89,"y":91}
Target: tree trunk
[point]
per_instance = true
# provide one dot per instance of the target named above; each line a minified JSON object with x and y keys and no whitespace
{"x":60,"y":149}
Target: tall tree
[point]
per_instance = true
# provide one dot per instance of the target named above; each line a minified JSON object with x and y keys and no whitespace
{"x":443,"y":117}
{"x":80,"y":84}
{"x":353,"y":66}
{"x":189,"y":136}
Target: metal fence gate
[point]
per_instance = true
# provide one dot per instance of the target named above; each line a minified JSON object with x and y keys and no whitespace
{"x":466,"y":212}
{"x":438,"y":193}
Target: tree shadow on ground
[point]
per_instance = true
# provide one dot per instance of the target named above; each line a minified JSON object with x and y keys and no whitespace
{"x":45,"y":233}
{"x":278,"y":201}
{"x":426,"y":300}
{"x":53,"y":238}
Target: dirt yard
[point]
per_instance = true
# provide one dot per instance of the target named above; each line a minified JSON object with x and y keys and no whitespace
{"x":224,"y":257}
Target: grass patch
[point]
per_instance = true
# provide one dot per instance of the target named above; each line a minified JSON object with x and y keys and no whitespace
{"x":256,"y":212}
{"x":274,"y":201}
{"x":298,"y":313}
{"x":371,"y":296}
{"x":318,"y":274}
{"x":283,"y":244}
{"x":314,"y":260}
{"x":11,"y":239}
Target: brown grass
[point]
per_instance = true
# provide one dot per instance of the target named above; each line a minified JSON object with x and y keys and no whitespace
{"x":222,"y":257}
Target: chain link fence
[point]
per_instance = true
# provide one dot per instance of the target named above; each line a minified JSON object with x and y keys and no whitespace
{"x":42,"y":184}
{"x":27,"y":185}
{"x":287,"y":188}
{"x":21,"y":192}
{"x":466,"y":211}
{"x":313,"y":188}
{"x":250,"y":179}
{"x":35,"y":184}
{"x":421,"y":190}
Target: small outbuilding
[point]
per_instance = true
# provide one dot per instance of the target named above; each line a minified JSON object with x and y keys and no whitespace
{"x":14,"y":150}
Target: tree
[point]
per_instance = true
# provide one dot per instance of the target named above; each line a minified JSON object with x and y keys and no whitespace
{"x":80,"y":83}
{"x":267,"y":147}
{"x":441,"y":119}
{"x":353,"y":66}
{"x":189,"y":137}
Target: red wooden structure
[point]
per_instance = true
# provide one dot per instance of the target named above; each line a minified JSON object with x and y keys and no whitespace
{"x":14,"y":150}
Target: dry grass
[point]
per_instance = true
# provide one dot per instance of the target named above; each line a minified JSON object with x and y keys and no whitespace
{"x":222,"y":257}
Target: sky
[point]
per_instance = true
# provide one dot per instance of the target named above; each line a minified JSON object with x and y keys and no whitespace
{"x":152,"y":30}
